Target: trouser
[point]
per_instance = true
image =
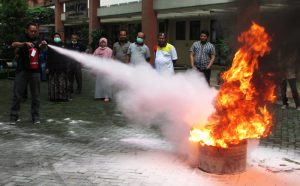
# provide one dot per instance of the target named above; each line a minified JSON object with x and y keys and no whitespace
{"x":75,"y":71}
{"x":206,"y":74}
{"x":22,"y":79}
{"x":292,"y":83}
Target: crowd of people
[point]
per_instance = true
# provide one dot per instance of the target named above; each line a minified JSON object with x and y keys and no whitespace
{"x":35,"y":58}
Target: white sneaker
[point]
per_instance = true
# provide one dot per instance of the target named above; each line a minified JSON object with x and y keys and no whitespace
{"x":298,"y":108}
{"x":284,"y":107}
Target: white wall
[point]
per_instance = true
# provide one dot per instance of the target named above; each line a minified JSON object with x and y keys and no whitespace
{"x":114,"y":2}
{"x":167,"y":4}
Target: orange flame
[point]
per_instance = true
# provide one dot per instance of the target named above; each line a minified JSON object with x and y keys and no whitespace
{"x":241,"y":110}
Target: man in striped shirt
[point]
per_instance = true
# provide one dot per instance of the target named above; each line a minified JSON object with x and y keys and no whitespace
{"x":202,"y":55}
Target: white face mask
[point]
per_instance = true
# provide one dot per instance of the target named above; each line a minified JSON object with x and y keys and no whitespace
{"x":74,"y":42}
{"x":57,"y":40}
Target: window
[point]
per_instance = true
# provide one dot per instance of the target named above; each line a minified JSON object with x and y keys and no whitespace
{"x":213,"y":30}
{"x":194,"y":30}
{"x":115,"y":33}
{"x":133,"y":29}
{"x":180,"y":30}
{"x":161,"y":27}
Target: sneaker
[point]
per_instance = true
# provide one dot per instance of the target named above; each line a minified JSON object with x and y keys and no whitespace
{"x":36,"y":122}
{"x":284,"y":107}
{"x":14,"y":121}
{"x":298,"y":108}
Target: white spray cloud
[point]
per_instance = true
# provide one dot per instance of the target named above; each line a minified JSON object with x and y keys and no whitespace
{"x":174,"y":103}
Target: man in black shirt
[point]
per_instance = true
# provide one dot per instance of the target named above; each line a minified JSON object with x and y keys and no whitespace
{"x":75,"y":67}
{"x":27,"y":72}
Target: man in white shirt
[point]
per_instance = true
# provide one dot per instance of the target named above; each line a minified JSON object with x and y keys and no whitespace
{"x":165,"y":55}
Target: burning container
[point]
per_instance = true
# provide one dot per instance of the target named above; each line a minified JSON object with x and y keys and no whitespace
{"x":219,"y":160}
{"x":241,"y":108}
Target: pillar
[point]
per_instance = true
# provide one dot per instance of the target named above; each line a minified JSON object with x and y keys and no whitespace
{"x":149,"y":25}
{"x":30,"y":3}
{"x":59,"y":26}
{"x":93,"y":19}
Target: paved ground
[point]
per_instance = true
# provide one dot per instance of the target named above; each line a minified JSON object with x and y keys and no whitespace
{"x":88,"y":142}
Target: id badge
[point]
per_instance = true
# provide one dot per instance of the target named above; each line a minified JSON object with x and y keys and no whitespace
{"x":33,"y":52}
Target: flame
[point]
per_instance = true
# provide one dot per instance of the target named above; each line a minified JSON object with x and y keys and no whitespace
{"x":241,"y":110}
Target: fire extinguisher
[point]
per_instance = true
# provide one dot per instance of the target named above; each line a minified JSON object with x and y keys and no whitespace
{"x":33,"y":58}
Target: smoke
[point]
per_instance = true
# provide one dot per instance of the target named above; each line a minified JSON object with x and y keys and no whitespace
{"x":174,"y":103}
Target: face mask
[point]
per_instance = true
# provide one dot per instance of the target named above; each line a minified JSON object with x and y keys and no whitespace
{"x":57,"y":40}
{"x":74,"y":42}
{"x":139,"y":40}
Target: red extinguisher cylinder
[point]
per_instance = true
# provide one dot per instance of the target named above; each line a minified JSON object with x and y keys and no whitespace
{"x":33,"y":58}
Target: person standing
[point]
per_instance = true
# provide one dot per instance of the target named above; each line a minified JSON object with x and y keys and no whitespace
{"x":289,"y":55}
{"x":165,"y":55}
{"x":202,"y":55}
{"x":75,"y":67}
{"x":103,"y":89}
{"x":120,"y":48}
{"x":57,"y":65}
{"x":138,"y":51}
{"x":27,"y":72}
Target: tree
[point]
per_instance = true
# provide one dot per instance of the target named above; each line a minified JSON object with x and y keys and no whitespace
{"x":41,"y":15}
{"x":13,"y":18}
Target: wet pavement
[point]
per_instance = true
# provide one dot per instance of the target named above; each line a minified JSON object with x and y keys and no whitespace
{"x":88,"y":142}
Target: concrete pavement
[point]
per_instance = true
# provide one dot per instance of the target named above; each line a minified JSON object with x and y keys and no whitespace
{"x":88,"y":142}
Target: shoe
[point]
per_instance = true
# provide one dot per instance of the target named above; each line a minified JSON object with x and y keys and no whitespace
{"x":14,"y":121}
{"x":284,"y":107}
{"x":106,"y":99}
{"x":298,"y":108}
{"x":36,"y":122}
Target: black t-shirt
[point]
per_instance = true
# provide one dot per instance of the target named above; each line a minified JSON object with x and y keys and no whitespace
{"x":77,"y":47}
{"x":56,"y":62}
{"x":23,"y":62}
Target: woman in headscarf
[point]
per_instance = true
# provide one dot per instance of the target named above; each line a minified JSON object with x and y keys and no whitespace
{"x":57,"y":65}
{"x":103,"y":89}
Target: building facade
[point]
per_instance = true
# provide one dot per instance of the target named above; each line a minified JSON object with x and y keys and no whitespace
{"x":181,"y":20}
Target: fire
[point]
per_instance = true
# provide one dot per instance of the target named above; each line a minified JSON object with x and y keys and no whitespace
{"x":241,"y":110}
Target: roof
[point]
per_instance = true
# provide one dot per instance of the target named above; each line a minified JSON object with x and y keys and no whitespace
{"x":116,"y":2}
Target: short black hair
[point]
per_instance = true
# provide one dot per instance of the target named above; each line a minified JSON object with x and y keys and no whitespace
{"x":204,"y":32}
{"x":123,"y":30}
{"x":31,"y":24}
{"x":162,"y":34}
{"x":56,"y":33}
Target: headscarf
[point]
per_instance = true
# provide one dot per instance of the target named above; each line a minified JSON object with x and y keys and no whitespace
{"x":103,"y":39}
{"x":105,"y":51}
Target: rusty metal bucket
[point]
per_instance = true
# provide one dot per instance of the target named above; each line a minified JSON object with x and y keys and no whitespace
{"x":218,"y":160}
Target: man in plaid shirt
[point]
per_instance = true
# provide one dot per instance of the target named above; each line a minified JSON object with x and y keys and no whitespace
{"x":202,"y":55}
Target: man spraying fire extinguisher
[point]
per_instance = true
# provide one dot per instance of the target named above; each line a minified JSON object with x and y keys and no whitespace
{"x":27,"y":72}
